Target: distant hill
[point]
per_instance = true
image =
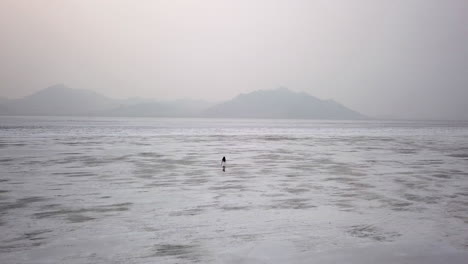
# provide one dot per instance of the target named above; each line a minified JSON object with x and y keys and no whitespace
{"x":178,"y":108}
{"x":281,"y":103}
{"x":58,"y":100}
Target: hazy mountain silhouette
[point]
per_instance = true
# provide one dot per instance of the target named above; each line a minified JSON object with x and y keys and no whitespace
{"x":281,"y":103}
{"x":278,"y":103}
{"x":178,"y":108}
{"x":59,"y":100}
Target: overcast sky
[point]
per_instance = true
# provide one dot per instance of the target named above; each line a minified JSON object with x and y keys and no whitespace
{"x":405,"y":58}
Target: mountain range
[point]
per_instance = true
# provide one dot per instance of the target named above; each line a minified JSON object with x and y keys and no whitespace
{"x":281,"y":103}
{"x":277,"y":103}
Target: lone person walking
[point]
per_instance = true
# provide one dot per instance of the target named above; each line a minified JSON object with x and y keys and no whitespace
{"x":223,"y":163}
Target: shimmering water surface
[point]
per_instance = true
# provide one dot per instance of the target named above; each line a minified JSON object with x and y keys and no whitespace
{"x":110,"y":190}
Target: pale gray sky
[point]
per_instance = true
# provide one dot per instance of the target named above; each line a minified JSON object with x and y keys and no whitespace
{"x":406,"y":58}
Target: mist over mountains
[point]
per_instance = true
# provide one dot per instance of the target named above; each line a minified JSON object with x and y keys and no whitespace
{"x":281,"y":103}
{"x":59,"y":100}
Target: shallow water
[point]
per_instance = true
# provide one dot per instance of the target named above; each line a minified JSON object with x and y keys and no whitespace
{"x":113,"y":190}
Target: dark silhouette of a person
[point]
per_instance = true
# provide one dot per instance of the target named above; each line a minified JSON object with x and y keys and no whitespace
{"x":223,"y":163}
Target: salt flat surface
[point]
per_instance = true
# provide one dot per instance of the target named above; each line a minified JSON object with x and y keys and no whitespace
{"x":110,"y":190}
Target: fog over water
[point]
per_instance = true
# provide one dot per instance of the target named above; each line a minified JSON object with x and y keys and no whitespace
{"x":111,"y":190}
{"x":406,"y":59}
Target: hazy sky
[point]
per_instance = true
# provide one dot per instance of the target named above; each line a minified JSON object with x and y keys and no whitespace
{"x":406,"y":58}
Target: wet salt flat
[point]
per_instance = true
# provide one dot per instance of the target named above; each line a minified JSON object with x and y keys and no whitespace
{"x":110,"y":190}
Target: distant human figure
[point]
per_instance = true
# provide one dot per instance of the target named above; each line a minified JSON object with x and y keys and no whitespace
{"x":223,"y":163}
